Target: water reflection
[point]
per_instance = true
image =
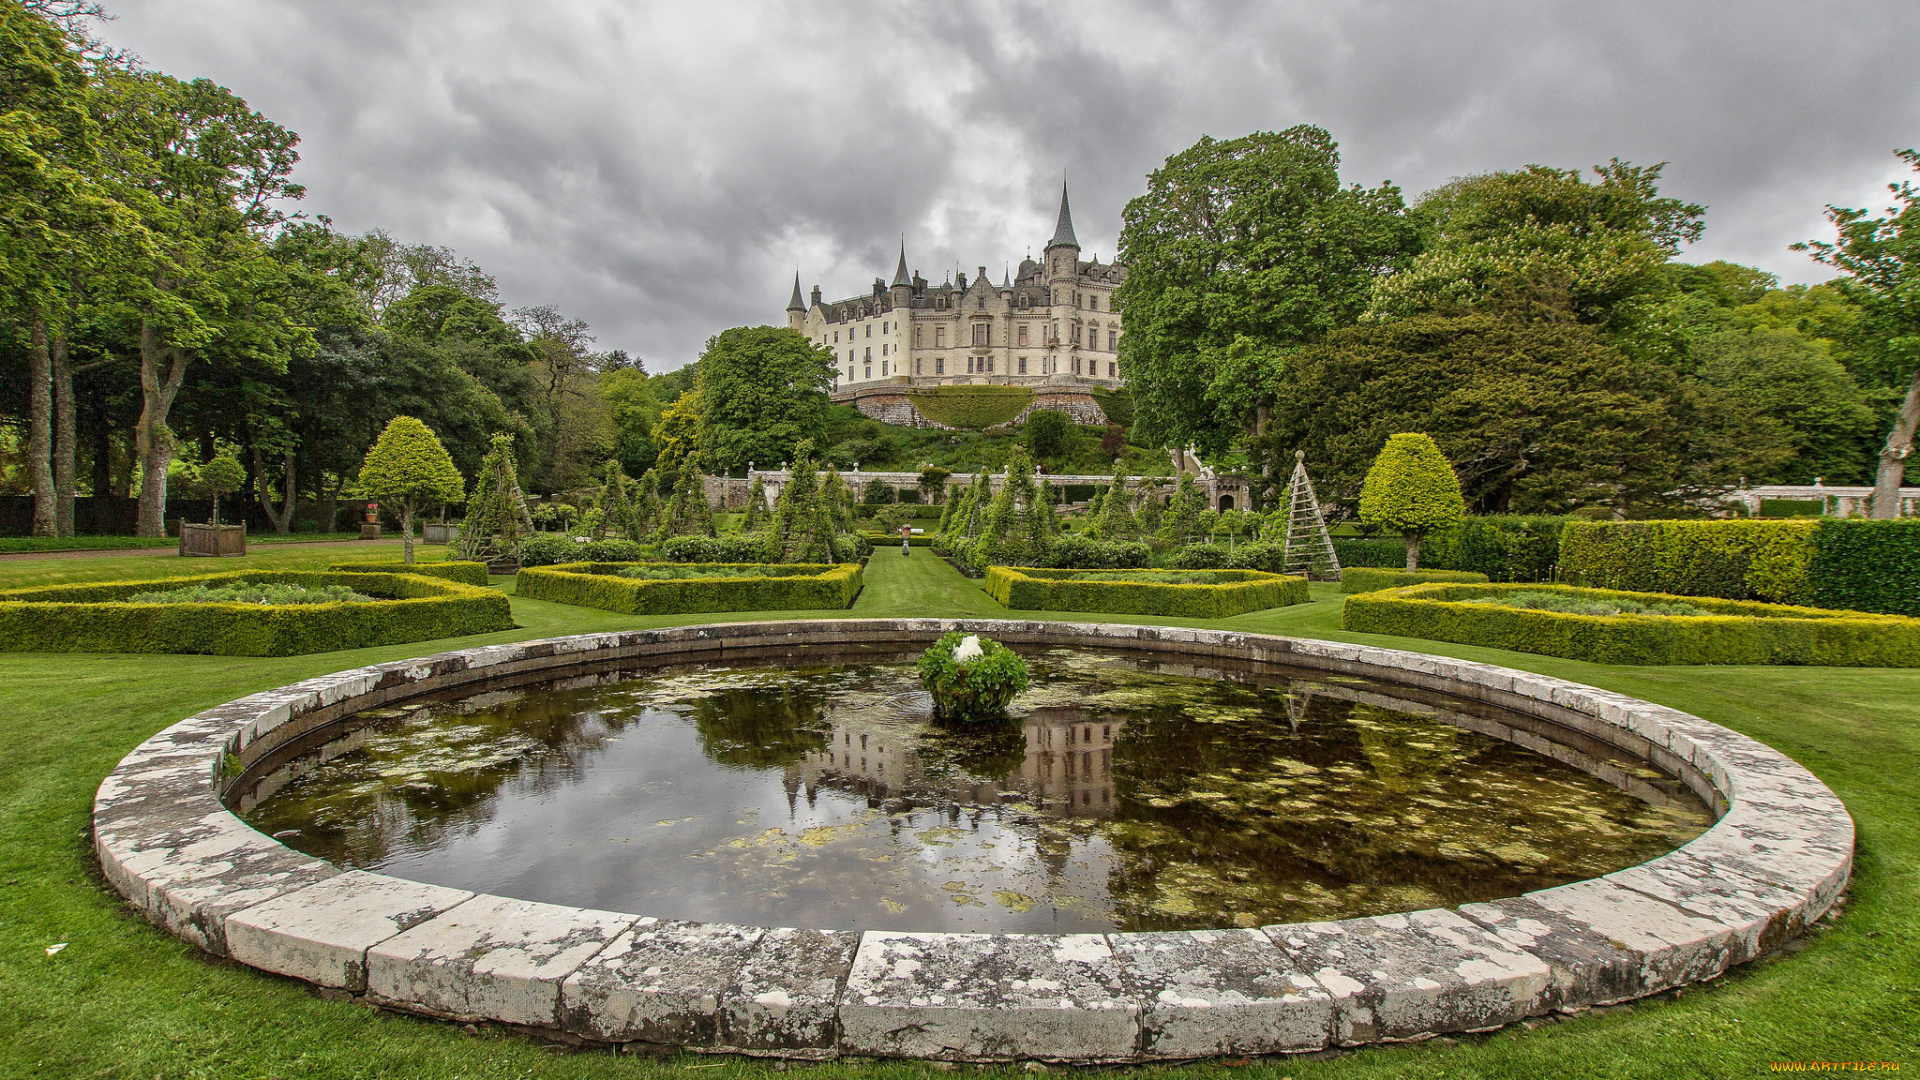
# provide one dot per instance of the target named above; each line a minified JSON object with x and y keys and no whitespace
{"x":1123,"y":794}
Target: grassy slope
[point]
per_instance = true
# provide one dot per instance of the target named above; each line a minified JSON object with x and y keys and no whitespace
{"x":126,"y":1000}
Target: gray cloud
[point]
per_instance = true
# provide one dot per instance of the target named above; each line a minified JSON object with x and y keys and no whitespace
{"x":660,"y":170}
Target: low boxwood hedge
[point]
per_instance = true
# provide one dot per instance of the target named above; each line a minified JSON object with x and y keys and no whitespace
{"x":784,"y":587}
{"x":1360,"y":579}
{"x":1238,"y":591}
{"x":1370,"y":551}
{"x":1736,"y":631}
{"x":467,"y":573}
{"x":881,"y":540}
{"x":96,"y":617}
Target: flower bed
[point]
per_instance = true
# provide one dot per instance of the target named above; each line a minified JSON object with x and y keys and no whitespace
{"x":467,"y":573}
{"x":1731,"y":631}
{"x":1361,"y":579}
{"x":1128,"y":592}
{"x":781,"y":587}
{"x":101,"y":617}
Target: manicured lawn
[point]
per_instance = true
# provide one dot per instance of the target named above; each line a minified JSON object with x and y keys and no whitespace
{"x":20,"y":573}
{"x":125,"y":1000}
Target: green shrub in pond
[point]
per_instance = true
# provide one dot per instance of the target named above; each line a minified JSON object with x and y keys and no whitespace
{"x":247,"y":592}
{"x":1230,"y":592}
{"x":1362,"y":579}
{"x":102,"y":616}
{"x":1725,"y":631}
{"x":724,"y":587}
{"x":467,"y":573}
{"x":971,"y":678}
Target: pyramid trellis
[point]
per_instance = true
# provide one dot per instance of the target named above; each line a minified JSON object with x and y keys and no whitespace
{"x":1309,"y":548}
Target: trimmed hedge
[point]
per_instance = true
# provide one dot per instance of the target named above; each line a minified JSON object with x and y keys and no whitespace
{"x":785,"y":587}
{"x":1370,"y":551}
{"x":552,"y":549}
{"x":1086,"y":553}
{"x":970,"y":407}
{"x":755,"y":547}
{"x":1732,"y":560}
{"x":1503,"y":547}
{"x":1239,"y":591}
{"x":1364,"y":579}
{"x":1866,"y":566}
{"x":882,"y":540}
{"x":467,"y":573}
{"x":1738,"y":632}
{"x":96,"y":617}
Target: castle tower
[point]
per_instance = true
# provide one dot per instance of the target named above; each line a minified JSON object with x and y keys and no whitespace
{"x":901,"y":291}
{"x":797,"y":308}
{"x":1061,"y":268}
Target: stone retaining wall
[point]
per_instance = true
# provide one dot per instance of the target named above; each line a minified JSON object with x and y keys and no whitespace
{"x":1776,"y":860}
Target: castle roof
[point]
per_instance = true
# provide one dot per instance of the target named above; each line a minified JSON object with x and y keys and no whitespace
{"x":1063,"y":230}
{"x":796,"y":304}
{"x":900,"y":275}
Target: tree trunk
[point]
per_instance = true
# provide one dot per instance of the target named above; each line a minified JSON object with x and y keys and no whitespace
{"x":1413,"y":551}
{"x":282,"y":520}
{"x":153,"y":442}
{"x":46,"y":521}
{"x":64,"y":421}
{"x":1893,"y":458}
{"x":406,"y":532}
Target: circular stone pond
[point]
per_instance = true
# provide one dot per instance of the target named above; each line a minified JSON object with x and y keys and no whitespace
{"x":752,"y":838}
{"x":1123,"y":793}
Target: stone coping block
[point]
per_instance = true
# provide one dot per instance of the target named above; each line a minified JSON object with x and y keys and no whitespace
{"x":1776,"y":860}
{"x":977,"y":997}
{"x":1210,"y":992}
{"x":322,"y":933}
{"x":491,"y":958}
{"x":1409,"y":976}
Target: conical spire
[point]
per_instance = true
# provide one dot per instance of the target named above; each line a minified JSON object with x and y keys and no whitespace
{"x":1063,"y":232}
{"x":796,"y":304}
{"x":900,"y":275}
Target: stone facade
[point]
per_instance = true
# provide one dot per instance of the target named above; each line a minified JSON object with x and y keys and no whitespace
{"x":1777,"y":859}
{"x":1053,"y":327}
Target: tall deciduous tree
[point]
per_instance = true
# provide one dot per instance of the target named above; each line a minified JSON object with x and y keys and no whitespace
{"x":409,"y":467}
{"x":1240,"y":251}
{"x":1412,"y":490}
{"x":1880,"y":258}
{"x":762,"y":390}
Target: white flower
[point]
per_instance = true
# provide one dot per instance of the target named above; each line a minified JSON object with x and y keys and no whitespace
{"x":968,"y":649}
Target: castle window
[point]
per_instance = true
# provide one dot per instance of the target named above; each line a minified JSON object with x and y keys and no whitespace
{"x":868,"y":373}
{"x":969,"y":365}
{"x":1023,"y":333}
{"x":989,"y":361}
{"x":939,"y":337}
{"x":869,"y":355}
{"x":1023,"y":362}
{"x":1093,"y":302}
{"x":916,"y":337}
{"x":883,"y":348}
{"x":869,"y":329}
{"x":1113,"y":341}
{"x":836,"y":337}
{"x":883,"y":369}
{"x":980,"y":302}
{"x":979,"y":333}
{"x":1056,"y":296}
{"x":939,"y":365}
{"x":1113,"y":371}
{"x":1025,"y":301}
{"x":849,"y":372}
{"x":1076,"y":300}
{"x":1076,"y":365}
{"x":916,"y":365}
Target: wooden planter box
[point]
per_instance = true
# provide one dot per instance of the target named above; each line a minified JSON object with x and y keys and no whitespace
{"x":213,"y":540}
{"x":439,"y":534}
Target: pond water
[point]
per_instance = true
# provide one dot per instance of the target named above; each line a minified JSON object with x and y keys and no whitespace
{"x":1123,"y":794}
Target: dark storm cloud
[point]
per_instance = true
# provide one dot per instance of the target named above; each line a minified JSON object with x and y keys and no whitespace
{"x":661,"y":170}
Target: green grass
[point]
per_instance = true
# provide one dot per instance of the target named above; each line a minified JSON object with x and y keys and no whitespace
{"x":126,"y":1000}
{"x":19,"y":573}
{"x":9,"y":544}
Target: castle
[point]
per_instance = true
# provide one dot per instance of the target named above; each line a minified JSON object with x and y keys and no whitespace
{"x":1052,"y":328}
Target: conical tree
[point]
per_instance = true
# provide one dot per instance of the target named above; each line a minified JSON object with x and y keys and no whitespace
{"x":1115,"y":520}
{"x":616,"y":506}
{"x":407,"y":466}
{"x":1412,"y":490}
{"x":497,"y":515}
{"x":1183,"y":514}
{"x":689,"y":513}
{"x":757,"y":515}
{"x":646,"y":505}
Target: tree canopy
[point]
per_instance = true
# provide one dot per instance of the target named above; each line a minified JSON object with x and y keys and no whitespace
{"x":1411,"y":490}
{"x":762,"y":390}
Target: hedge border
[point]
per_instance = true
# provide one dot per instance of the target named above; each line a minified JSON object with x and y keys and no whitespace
{"x":1366,"y":579}
{"x":1738,"y":631}
{"x":817,"y":587}
{"x":1240,"y":591}
{"x":95,"y":617}
{"x":466,"y":573}
{"x":970,"y":408}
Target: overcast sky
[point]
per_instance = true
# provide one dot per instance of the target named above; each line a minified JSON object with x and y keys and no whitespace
{"x":661,"y":170}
